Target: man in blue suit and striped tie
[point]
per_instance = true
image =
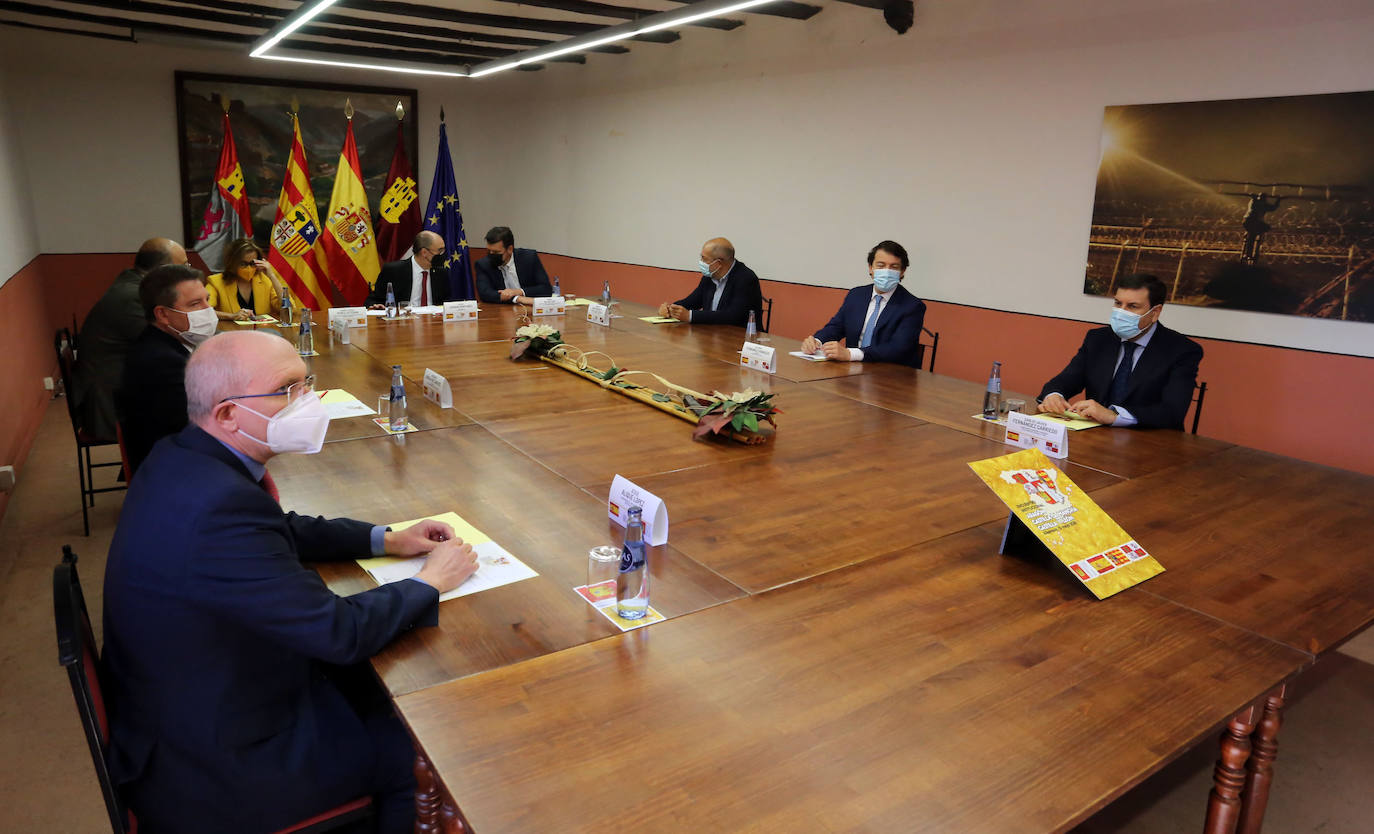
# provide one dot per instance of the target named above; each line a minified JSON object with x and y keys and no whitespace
{"x":880,"y":322}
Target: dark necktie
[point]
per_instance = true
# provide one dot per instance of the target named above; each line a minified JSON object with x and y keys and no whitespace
{"x":271,"y":486}
{"x":424,"y":288}
{"x":1122,"y":380}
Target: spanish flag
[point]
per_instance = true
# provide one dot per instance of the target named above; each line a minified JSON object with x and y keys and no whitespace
{"x":297,"y":250}
{"x":349,"y":244}
{"x":226,"y":215}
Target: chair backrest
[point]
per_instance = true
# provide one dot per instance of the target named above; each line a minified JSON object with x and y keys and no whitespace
{"x":921,"y":349}
{"x":1199,"y":394}
{"x":124,"y":453}
{"x":766,"y":318}
{"x":77,"y":652}
{"x":66,"y":366}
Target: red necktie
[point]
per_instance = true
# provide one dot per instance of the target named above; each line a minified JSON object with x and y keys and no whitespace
{"x":271,"y":486}
{"x":424,"y":288}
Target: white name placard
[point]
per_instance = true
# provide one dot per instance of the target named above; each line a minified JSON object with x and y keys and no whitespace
{"x":759,"y":357}
{"x":1030,"y":432}
{"x":624,"y":495}
{"x":460,"y":310}
{"x":552,"y":306}
{"x":354,"y":316}
{"x":437,"y":389}
{"x":599,"y":314}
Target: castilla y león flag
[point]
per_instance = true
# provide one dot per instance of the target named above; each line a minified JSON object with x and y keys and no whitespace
{"x":226,"y":215}
{"x":297,"y":251}
{"x":349,"y":244}
{"x":399,"y":219}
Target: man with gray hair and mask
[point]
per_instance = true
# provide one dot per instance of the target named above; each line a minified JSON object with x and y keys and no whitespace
{"x":232,"y":670}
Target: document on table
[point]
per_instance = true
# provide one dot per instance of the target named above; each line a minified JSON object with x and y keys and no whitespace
{"x":658,"y":319}
{"x":577,"y":302}
{"x":340,"y":404}
{"x":256,"y":320}
{"x":495,"y":565}
{"x":810,"y":357}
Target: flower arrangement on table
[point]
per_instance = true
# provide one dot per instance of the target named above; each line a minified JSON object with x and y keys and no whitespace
{"x":740,"y":415}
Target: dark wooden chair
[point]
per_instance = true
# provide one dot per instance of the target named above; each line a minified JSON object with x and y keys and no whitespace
{"x":923,"y":349}
{"x":76,"y":652}
{"x":1199,"y":394}
{"x":766,"y":320}
{"x":85,"y":465}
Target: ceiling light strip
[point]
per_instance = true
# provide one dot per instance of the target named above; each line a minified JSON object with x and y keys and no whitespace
{"x":303,"y":15}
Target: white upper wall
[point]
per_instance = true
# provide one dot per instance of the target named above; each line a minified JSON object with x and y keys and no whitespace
{"x":18,"y":239}
{"x":973,"y":140}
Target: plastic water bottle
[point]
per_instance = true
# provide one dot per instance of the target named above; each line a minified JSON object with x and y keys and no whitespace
{"x":557,"y":290}
{"x":992,"y":398}
{"x":606,"y":292}
{"x":286,"y":306}
{"x":751,"y":329}
{"x":632,"y":583}
{"x":390,"y":301}
{"x":396,"y":419}
{"x":305,"y":342}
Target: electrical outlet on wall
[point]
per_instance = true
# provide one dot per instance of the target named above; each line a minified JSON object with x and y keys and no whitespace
{"x":47,"y":383}
{"x":6,"y":479}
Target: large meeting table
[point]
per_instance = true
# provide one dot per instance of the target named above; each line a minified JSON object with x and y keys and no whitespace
{"x":843,"y":648}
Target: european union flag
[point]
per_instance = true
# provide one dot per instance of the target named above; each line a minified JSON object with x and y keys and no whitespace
{"x":445,"y":218}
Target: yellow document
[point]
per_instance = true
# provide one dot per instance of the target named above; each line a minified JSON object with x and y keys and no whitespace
{"x":658,"y":319}
{"x":1089,"y":543}
{"x":577,"y":302}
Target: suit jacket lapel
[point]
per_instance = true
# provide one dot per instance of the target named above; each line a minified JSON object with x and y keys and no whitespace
{"x":1151,"y":360}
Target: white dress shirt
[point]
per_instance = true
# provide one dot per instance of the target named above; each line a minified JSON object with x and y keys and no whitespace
{"x":417,"y":280}
{"x":508,"y":275}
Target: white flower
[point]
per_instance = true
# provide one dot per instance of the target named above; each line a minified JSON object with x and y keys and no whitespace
{"x":536,"y":331}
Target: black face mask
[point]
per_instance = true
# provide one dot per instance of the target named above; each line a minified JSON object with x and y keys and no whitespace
{"x":494,"y":259}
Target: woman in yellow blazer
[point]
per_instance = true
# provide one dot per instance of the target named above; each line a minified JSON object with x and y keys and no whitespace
{"x":248,"y":286}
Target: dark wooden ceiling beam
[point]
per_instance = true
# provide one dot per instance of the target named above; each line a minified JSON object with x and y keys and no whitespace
{"x":868,"y":4}
{"x":780,"y":8}
{"x":621,"y":12}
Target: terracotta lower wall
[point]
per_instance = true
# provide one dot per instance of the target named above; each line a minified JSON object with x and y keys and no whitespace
{"x":26,"y":345}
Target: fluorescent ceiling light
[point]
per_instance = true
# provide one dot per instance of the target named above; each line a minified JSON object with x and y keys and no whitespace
{"x":303,"y":15}
{"x":355,"y":65}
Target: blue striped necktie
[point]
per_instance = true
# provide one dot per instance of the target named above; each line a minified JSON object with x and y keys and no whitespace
{"x":872,"y":322}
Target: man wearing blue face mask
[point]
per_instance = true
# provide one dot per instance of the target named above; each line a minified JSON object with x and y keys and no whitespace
{"x":880,"y":322}
{"x":727,"y":293}
{"x":1136,"y":372}
{"x":233,"y":684}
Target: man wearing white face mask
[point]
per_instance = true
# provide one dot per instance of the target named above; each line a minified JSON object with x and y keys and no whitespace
{"x":880,"y":322}
{"x":151,"y":402}
{"x":727,"y":292}
{"x":233,"y":692}
{"x":1135,"y":372}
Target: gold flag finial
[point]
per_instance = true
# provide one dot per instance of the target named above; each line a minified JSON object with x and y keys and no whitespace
{"x":295,"y":105}
{"x":400,"y":111}
{"x":224,"y":102}
{"x":348,"y":108}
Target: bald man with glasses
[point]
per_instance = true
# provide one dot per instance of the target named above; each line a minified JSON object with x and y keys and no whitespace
{"x":236,"y":691}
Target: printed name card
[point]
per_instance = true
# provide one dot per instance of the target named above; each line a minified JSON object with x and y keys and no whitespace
{"x":1050,"y":513}
{"x":552,"y":306}
{"x":759,"y":357}
{"x":1030,"y":432}
{"x":625,"y":495}
{"x":437,"y":389}
{"x":460,"y":311}
{"x":350,"y":316}
{"x":599,"y":314}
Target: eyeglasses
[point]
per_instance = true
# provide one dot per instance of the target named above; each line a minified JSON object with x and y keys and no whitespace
{"x":292,"y":392}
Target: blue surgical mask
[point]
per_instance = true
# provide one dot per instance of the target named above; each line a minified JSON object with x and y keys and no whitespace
{"x":705,"y":268}
{"x":886,"y":279}
{"x":1126,"y":324}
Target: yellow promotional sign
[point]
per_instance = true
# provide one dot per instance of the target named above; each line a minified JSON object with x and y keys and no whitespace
{"x":1079,"y":534}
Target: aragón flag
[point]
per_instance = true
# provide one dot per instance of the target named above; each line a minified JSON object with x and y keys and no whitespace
{"x":297,"y":251}
{"x":226,"y":215}
{"x":399,"y":219}
{"x":349,"y":244}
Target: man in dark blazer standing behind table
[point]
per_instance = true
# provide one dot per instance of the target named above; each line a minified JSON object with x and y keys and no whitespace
{"x":877,"y":323}
{"x":727,"y":292}
{"x":508,"y":275}
{"x":419,"y":280}
{"x":232,"y":684}
{"x":1136,"y":372}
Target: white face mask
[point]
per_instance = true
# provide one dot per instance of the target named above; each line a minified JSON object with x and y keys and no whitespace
{"x":202,"y":323}
{"x":299,"y":428}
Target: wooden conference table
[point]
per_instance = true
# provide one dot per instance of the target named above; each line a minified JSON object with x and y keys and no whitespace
{"x":844,"y":648}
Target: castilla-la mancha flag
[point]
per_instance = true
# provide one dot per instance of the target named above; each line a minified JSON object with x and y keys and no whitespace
{"x":399,"y":219}
{"x":349,"y":244}
{"x":227,"y":217}
{"x":297,"y":251}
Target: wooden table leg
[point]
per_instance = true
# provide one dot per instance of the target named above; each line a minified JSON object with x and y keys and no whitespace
{"x":435,"y":813}
{"x":1261,"y":767}
{"x":1224,"y":803}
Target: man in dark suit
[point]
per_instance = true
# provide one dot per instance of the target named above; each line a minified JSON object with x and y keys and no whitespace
{"x":110,"y":329}
{"x":420,"y":280}
{"x":224,"y":654}
{"x":508,"y":275}
{"x":152,"y":397}
{"x":727,"y":292}
{"x":880,"y":322}
{"x":1137,"y":372}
